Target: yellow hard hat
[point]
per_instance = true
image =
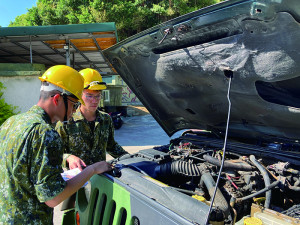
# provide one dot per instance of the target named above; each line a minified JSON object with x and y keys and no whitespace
{"x":66,"y":78}
{"x":92,"y":79}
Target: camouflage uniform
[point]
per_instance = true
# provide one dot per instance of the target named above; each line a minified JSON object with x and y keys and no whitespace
{"x":30,"y":165}
{"x":89,"y":145}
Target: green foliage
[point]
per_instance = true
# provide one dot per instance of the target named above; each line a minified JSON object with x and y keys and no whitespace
{"x":130,"y":16}
{"x":6,"y":110}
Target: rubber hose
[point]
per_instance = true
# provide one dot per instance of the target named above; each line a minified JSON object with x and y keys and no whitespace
{"x":227,"y":164}
{"x":266,"y":177}
{"x":274,"y":184}
{"x":185,"y":168}
{"x":220,"y":200}
{"x":188,"y":169}
{"x":178,"y":168}
{"x":297,"y":181}
{"x":294,"y":188}
{"x":296,"y":185}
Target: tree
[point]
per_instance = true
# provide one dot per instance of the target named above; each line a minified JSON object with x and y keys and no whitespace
{"x":130,"y":16}
{"x":6,"y":110}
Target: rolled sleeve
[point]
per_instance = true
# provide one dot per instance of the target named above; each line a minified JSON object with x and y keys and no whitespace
{"x":46,"y":165}
{"x":48,"y":190}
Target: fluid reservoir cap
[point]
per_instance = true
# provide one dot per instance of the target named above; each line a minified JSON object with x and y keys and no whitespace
{"x":252,"y":221}
{"x":199,"y":198}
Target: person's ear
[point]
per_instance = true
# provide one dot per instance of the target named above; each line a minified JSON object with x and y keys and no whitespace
{"x":55,"y":99}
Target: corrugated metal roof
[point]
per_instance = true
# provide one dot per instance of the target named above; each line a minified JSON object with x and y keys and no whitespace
{"x":48,"y":45}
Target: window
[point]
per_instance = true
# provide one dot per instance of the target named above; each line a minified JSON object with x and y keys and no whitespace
{"x":105,"y":95}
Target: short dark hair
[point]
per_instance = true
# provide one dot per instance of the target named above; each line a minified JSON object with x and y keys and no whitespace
{"x":48,"y":94}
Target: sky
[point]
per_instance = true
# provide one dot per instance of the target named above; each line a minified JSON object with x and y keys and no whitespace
{"x":10,"y":9}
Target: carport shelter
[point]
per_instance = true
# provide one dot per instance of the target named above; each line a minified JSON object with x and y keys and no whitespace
{"x":23,"y":48}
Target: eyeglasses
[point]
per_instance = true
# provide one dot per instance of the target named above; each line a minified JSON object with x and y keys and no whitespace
{"x":93,"y":83}
{"x":90,"y":97}
{"x":75,"y":104}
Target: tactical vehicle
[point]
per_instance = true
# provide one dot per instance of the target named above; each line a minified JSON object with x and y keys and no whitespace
{"x":227,"y":75}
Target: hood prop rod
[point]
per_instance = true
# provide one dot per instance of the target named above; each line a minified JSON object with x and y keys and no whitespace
{"x":228,"y":74}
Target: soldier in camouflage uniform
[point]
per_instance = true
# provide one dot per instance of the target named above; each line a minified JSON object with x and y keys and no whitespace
{"x":89,"y":135}
{"x":31,"y":153}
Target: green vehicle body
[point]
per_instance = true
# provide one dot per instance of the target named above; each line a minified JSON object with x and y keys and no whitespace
{"x":108,"y":203}
{"x":108,"y":200}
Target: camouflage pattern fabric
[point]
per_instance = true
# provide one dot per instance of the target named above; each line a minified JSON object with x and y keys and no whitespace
{"x":89,"y":145}
{"x":31,"y":154}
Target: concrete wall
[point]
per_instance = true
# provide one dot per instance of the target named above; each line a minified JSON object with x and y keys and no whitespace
{"x":22,"y":84}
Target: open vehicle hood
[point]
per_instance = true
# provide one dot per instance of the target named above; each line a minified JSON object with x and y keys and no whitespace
{"x":180,"y":69}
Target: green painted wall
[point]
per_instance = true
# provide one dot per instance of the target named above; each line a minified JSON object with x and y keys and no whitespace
{"x":21,"y":69}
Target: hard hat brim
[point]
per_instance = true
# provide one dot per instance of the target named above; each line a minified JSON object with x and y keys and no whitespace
{"x":97,"y":87}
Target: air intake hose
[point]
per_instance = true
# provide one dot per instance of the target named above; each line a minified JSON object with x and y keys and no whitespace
{"x":178,"y":168}
{"x":193,"y":170}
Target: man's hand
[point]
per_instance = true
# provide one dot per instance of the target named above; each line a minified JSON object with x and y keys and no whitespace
{"x":101,"y":167}
{"x":75,"y":162}
{"x":78,"y":181}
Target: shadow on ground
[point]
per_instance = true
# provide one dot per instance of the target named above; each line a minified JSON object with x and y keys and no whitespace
{"x":142,"y":130}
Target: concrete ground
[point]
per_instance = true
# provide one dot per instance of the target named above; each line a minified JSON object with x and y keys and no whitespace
{"x":137,"y":133}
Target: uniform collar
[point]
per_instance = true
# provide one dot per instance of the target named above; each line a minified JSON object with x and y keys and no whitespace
{"x":77,"y":116}
{"x":38,"y":110}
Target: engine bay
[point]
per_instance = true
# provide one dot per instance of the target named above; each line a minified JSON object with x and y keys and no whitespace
{"x":265,"y":176}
